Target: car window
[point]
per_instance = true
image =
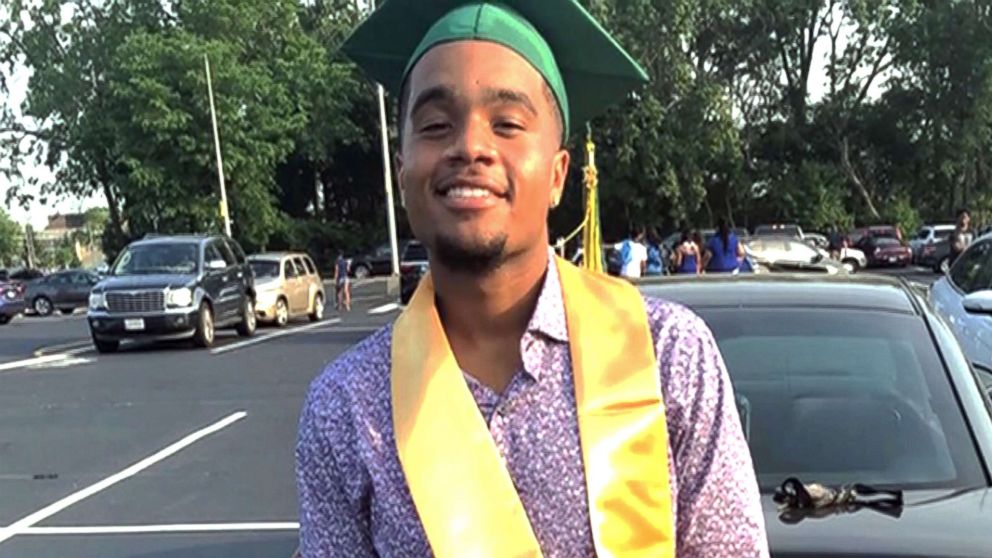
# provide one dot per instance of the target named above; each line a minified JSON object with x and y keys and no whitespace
{"x":311,"y":268}
{"x":886,"y":241}
{"x":239,"y":254}
{"x":264,"y":268}
{"x":300,"y":266}
{"x":291,"y":270}
{"x":212,"y":253}
{"x":225,"y":252}
{"x":415,"y":251}
{"x":60,"y":279}
{"x":80,"y":278}
{"x":923,"y":234}
{"x":836,"y":397}
{"x":384,"y":251}
{"x":973,"y":270}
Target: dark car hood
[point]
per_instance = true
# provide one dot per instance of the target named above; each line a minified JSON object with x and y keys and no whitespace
{"x":935,"y":524}
{"x":128,"y":282}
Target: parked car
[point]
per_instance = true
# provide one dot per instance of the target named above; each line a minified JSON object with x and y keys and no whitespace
{"x":21,"y":276}
{"x":886,"y":251}
{"x":929,"y":235}
{"x":788,"y":230}
{"x":11,"y":302}
{"x":412,"y":269}
{"x":287,"y":285}
{"x":964,"y":298}
{"x":817,"y":240}
{"x":784,"y":254}
{"x":64,"y":291}
{"x":844,"y":380}
{"x":863,"y":234}
{"x":936,"y":256}
{"x":380,"y":262}
{"x":174,"y":287}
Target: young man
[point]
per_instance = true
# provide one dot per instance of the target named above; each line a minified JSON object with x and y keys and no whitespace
{"x":634,"y":255}
{"x":519,"y":406}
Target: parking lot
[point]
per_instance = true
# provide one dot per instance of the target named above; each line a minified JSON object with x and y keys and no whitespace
{"x":163,"y":451}
{"x":158,"y":451}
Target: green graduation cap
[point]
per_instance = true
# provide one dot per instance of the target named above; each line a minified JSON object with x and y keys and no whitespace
{"x":583,"y":65}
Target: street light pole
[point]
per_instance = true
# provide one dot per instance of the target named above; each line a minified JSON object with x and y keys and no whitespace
{"x":220,"y":162}
{"x":387,"y":172}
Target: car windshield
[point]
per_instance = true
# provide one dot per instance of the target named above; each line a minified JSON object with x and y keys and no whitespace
{"x":264,"y":268}
{"x":148,"y":259}
{"x":782,"y":230}
{"x":843,"y":396}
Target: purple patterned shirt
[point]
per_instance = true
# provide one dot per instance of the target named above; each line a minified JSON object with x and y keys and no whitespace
{"x":354,"y":500}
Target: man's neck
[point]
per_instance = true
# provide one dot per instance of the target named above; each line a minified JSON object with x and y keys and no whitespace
{"x":485,"y":317}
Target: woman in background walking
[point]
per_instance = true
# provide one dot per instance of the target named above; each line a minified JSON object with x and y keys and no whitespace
{"x":724,"y":251}
{"x":686,"y":256}
{"x":655,"y":261}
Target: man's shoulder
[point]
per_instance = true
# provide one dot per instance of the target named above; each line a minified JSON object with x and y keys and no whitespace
{"x":671,"y":321}
{"x":360,"y":373}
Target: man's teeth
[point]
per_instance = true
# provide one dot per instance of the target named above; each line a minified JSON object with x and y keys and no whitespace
{"x":462,"y":192}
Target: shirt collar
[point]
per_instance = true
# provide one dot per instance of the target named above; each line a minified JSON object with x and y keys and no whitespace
{"x":549,"y":313}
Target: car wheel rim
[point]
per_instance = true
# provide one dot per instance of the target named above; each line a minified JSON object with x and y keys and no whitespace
{"x":250,"y":315}
{"x":42,"y":306}
{"x":208,"y":326}
{"x":318,"y":307}
{"x":944,"y":266}
{"x":361,"y":273}
{"x":282,"y":314}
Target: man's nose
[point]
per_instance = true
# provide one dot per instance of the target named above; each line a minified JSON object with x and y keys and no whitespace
{"x":473,"y":142}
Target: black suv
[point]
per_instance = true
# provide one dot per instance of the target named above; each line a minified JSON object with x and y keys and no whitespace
{"x":173,"y":287}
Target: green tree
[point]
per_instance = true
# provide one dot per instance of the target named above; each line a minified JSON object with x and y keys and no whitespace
{"x":11,"y":241}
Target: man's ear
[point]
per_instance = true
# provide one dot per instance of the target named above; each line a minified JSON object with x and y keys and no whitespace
{"x":559,"y":172}
{"x":400,"y":182}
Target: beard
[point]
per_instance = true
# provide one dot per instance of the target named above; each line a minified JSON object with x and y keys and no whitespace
{"x":474,"y":256}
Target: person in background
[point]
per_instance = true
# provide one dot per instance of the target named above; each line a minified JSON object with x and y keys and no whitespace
{"x":655,"y":264}
{"x":634,"y":255}
{"x":837,"y":243}
{"x":686,"y":257}
{"x":724,"y":251}
{"x":962,"y":236}
{"x":341,"y":283}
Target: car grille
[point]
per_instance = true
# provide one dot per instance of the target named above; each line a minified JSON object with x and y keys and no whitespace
{"x":140,"y":301}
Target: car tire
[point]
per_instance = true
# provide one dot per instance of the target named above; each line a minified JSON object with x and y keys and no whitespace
{"x":205,"y":332}
{"x":4,"y":319}
{"x":362,"y":272}
{"x":282,"y":313}
{"x":852,"y":264}
{"x":106,"y":347}
{"x":43,"y":306}
{"x":942,"y":266}
{"x":318,"y":308}
{"x":67,"y":311}
{"x":249,"y":321}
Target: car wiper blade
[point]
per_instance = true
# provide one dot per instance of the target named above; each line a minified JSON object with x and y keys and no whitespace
{"x":797,"y":500}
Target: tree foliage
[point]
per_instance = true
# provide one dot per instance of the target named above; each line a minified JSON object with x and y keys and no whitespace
{"x":825,"y":112}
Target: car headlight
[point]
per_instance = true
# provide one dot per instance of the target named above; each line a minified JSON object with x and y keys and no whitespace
{"x":98,"y":301}
{"x":179,"y":297}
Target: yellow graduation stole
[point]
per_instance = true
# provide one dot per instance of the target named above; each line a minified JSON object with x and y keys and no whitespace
{"x":463,"y":493}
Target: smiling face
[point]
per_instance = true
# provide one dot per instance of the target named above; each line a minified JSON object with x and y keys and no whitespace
{"x":480,"y":161}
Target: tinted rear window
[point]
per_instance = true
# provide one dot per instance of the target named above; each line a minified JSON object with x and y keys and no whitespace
{"x":415,"y":252}
{"x":839,"y":397}
{"x":264,"y":268}
{"x":886,"y":241}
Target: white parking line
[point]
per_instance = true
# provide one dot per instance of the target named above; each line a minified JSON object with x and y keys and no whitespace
{"x":384,"y":308}
{"x":176,"y":528}
{"x":263,"y":338}
{"x":32,"y":361}
{"x":29,"y":521}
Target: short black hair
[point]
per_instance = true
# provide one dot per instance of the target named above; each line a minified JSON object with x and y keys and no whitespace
{"x":404,"y":101}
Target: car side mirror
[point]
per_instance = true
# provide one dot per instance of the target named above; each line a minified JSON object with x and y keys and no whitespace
{"x":978,"y":302}
{"x":217,"y":264}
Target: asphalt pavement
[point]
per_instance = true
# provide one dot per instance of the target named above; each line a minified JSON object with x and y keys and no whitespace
{"x":159,"y":451}
{"x":164,"y":451}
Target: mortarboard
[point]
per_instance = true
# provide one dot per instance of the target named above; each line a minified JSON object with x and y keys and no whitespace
{"x":583,"y":65}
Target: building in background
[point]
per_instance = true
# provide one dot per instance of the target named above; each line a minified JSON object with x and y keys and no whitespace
{"x":70,"y":240}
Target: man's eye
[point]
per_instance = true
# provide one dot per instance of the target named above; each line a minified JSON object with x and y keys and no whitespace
{"x":509,"y":126}
{"x":434,"y":128}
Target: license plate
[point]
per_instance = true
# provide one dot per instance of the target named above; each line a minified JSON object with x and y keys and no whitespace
{"x":136,"y":324}
{"x":893,"y":259}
